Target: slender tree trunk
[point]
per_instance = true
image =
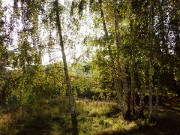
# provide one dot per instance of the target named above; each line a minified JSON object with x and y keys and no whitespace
{"x":157,"y":98}
{"x":71,"y":99}
{"x":150,"y":99}
{"x":117,"y":84}
{"x":128,"y":99}
{"x":141,"y":110}
{"x":132,"y":85}
{"x":118,"y":44}
{"x":150,"y":91}
{"x":151,"y":57}
{"x":119,"y":95}
{"x":127,"y":92}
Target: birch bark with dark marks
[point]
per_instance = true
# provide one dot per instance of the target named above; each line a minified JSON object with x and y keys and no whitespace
{"x":71,"y":99}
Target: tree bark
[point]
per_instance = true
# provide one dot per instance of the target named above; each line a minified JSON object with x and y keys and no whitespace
{"x":117,"y":84}
{"x":141,"y":110}
{"x":150,"y":92}
{"x":132,"y":85}
{"x":157,"y":98}
{"x":151,"y":57}
{"x":118,"y":44}
{"x":128,"y":99}
{"x":71,"y":99}
{"x":127,"y":91}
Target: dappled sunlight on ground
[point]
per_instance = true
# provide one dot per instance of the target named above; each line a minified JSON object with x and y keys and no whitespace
{"x":52,"y":117}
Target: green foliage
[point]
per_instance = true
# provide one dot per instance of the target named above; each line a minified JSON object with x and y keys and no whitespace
{"x":35,"y":82}
{"x":146,"y":55}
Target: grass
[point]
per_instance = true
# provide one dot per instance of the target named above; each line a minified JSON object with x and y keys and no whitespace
{"x":52,"y":117}
{"x":98,"y":117}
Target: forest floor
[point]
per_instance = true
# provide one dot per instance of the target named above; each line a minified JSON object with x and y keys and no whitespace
{"x":52,"y":117}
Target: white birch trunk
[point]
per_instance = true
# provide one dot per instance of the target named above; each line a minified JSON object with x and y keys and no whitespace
{"x":141,"y":110}
{"x":157,"y":98}
{"x":71,"y":100}
{"x":117,"y":85}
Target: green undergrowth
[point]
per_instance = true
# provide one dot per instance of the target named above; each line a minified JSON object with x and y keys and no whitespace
{"x":52,"y":117}
{"x":99,"y":117}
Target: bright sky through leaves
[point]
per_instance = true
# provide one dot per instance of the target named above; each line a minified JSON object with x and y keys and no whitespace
{"x":72,"y":52}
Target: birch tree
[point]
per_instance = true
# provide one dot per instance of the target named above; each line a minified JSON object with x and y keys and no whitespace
{"x":71,"y":99}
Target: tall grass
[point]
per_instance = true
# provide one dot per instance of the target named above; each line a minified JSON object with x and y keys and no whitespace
{"x":52,"y":117}
{"x":97,"y":117}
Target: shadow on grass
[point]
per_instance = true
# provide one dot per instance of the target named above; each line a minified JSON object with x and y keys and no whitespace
{"x":140,"y":131}
{"x":54,"y":120}
{"x":113,"y":113}
{"x":164,"y":124}
{"x":39,"y":126}
{"x":36,"y":127}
